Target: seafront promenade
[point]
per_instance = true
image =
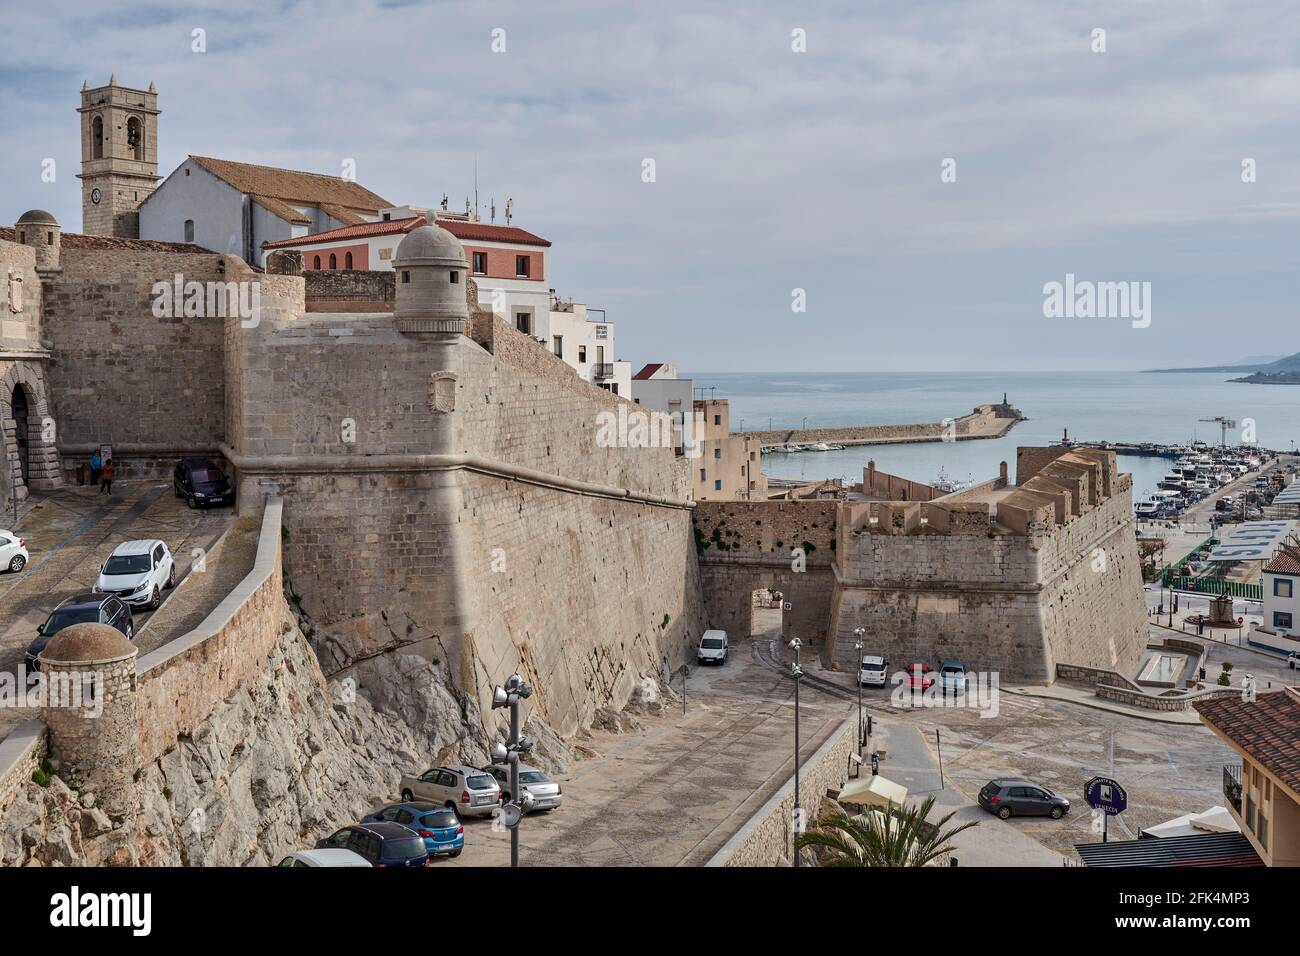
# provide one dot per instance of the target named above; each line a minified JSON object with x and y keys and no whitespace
{"x":985,"y":421}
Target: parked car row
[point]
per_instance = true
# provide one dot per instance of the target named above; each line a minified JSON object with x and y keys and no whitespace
{"x":873,"y":671}
{"x":427,"y":821}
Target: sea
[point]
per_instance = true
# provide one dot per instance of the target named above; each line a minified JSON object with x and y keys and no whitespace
{"x":1117,"y":407}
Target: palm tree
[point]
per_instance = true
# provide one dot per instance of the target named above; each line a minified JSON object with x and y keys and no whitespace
{"x":895,"y":838}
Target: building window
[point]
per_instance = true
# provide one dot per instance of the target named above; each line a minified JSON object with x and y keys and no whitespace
{"x":717,"y":419}
{"x":97,"y":138}
{"x":388,"y":217}
{"x":702,"y":475}
{"x":1282,"y":587}
{"x":559,"y":346}
{"x":717,"y":484}
{"x":455,"y":277}
{"x":582,"y":354}
{"x":523,"y":322}
{"x":189,"y":230}
{"x":316,"y":262}
{"x":49,"y":238}
{"x":406,"y":275}
{"x":521,"y":267}
{"x":334,"y":261}
{"x":347,"y":261}
{"x":1282,"y":620}
{"x":717,"y":453}
{"x":480,"y":263}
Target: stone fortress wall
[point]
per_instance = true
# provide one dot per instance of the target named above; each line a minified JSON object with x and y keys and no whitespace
{"x":1013,"y":582}
{"x":1013,"y":579}
{"x":24,"y":363}
{"x":453,"y":502}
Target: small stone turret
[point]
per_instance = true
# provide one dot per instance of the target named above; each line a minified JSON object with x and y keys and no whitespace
{"x":89,"y":675}
{"x":430,"y":297}
{"x":40,"y":230}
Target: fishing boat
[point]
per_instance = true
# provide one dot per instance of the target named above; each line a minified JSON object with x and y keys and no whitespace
{"x":819,"y":446}
{"x":948,"y":485}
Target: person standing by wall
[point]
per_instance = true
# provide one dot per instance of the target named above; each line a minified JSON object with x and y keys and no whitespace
{"x":106,"y":477}
{"x":96,"y":463}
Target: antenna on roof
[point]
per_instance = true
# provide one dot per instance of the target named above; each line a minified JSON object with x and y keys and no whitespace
{"x":444,"y":201}
{"x":493,"y":202}
{"x":510,"y":206}
{"x":476,"y":187}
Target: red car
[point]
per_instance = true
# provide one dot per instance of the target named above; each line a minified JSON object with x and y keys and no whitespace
{"x":919,"y":677}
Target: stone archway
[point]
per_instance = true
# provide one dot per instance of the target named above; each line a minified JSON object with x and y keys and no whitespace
{"x":29,"y":458}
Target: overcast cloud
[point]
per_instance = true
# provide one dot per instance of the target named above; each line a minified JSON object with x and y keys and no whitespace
{"x":775,"y":169}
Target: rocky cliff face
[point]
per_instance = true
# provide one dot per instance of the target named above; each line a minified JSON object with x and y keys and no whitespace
{"x":281,"y":763}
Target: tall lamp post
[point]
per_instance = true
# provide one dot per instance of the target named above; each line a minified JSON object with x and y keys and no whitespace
{"x":512,"y":812}
{"x":858,"y":632}
{"x":796,"y":671}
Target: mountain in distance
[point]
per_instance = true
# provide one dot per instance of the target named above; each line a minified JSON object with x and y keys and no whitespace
{"x":1289,"y":365}
{"x":1282,"y":372}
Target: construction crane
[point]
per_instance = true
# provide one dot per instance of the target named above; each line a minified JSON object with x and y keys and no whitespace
{"x":1224,"y":425}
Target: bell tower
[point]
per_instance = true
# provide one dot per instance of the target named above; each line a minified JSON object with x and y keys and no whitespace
{"x":119,"y":157}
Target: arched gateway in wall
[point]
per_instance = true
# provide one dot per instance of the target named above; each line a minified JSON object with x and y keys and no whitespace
{"x":30,"y":461}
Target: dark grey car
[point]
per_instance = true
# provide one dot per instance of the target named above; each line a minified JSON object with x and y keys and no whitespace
{"x":1022,"y":798}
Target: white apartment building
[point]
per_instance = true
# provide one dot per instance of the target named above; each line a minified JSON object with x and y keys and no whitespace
{"x":1281,"y":581}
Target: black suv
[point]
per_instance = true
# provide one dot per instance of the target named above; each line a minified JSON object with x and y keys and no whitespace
{"x":82,"y":609}
{"x":201,"y":482}
{"x":383,"y":844}
{"x":1021,"y":798}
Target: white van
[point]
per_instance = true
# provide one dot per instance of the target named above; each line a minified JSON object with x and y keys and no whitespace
{"x":713,"y":648}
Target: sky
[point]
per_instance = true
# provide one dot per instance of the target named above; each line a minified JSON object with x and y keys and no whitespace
{"x":795,"y":146}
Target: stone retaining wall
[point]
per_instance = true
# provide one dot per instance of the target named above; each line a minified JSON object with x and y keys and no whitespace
{"x":765,"y":839}
{"x":185,"y":680}
{"x":20,"y":753}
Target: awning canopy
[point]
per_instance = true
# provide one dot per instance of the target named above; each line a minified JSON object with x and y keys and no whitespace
{"x":1213,"y":820}
{"x":873,"y":792}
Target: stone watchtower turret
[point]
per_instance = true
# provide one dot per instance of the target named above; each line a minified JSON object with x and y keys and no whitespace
{"x":119,"y":157}
{"x":40,"y":230}
{"x":89,"y":674}
{"x":430,"y":297}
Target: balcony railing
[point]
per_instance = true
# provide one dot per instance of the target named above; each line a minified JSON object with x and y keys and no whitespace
{"x":1232,"y":785}
{"x":602,"y":370}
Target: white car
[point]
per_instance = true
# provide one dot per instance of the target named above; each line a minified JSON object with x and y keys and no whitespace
{"x":1293,"y":660}
{"x":13,"y":552}
{"x":138,"y":572}
{"x":713,"y":648}
{"x":873,"y":670}
{"x":328,"y":857}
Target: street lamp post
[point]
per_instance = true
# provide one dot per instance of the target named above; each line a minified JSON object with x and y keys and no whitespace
{"x":858,"y":632}
{"x":796,"y":671}
{"x":512,"y":812}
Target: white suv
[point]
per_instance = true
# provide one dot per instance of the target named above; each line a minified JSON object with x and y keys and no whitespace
{"x":13,"y":552}
{"x":713,"y":648}
{"x":137,"y":572}
{"x":873,"y":670}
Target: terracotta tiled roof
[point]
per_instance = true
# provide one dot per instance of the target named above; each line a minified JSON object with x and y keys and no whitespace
{"x":364,"y":231}
{"x":281,"y":209}
{"x":292,"y":186}
{"x":1267,"y":728}
{"x":648,"y":371}
{"x":75,"y":240}
{"x":488,"y":232}
{"x":343,"y":214}
{"x":1284,"y":563}
{"x":464,"y":231}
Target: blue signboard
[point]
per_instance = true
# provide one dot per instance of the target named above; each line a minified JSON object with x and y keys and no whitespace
{"x":1105,"y":794}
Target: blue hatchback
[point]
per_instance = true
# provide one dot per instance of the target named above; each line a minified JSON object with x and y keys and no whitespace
{"x":439,"y":827}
